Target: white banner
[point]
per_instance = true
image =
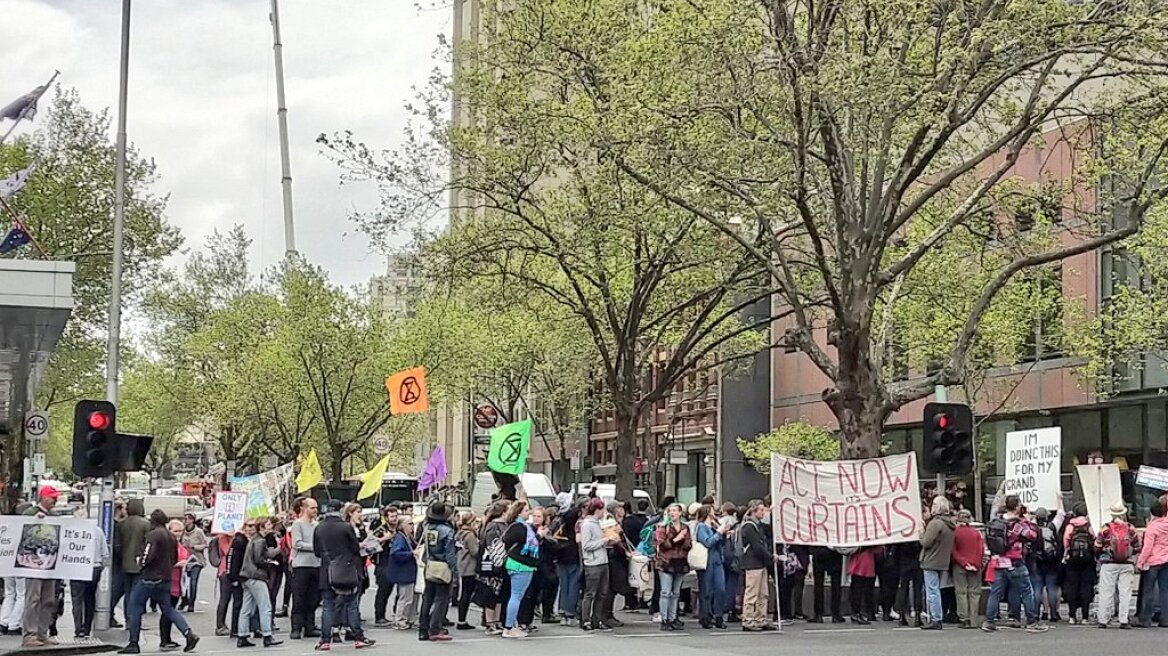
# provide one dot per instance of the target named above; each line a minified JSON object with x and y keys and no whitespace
{"x":1101,"y":489}
{"x":1033,"y":466}
{"x":267,"y":492}
{"x":849,"y":503}
{"x":61,"y":548}
{"x":230,"y":511}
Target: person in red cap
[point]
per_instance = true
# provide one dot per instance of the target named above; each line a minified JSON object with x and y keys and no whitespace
{"x":40,"y":595}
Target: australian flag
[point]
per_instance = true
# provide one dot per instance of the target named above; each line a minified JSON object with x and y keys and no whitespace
{"x":15,"y":238}
{"x":24,"y":107}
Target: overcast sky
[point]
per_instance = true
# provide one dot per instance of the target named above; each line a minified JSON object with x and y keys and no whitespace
{"x":203,"y":102}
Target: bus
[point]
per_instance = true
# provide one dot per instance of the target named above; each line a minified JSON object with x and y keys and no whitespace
{"x":396,"y":487}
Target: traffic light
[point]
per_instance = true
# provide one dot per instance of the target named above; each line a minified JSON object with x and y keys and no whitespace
{"x":95,"y":443}
{"x":99,"y":449}
{"x":948,"y":445}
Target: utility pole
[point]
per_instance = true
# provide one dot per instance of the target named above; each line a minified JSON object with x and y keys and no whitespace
{"x":941,"y":395}
{"x":282,"y":117}
{"x":102,"y":607}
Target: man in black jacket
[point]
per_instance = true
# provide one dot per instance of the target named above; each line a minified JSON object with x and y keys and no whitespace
{"x":335,"y":543}
{"x":757,"y":558}
{"x":158,"y":559}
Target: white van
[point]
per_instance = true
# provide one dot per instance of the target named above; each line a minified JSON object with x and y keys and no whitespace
{"x":537,"y":487}
{"x":607,"y":492}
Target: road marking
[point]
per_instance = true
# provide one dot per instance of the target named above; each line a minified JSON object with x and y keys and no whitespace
{"x":813,"y":631}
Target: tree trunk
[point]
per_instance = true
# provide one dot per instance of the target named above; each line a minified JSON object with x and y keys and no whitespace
{"x":858,"y":401}
{"x":626,"y":450}
{"x":336,"y":464}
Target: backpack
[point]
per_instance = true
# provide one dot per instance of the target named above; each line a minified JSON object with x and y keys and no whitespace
{"x":645,"y":544}
{"x":1046,"y":547}
{"x":998,"y":536}
{"x":214,"y":557}
{"x":1082,"y":549}
{"x":734,"y":549}
{"x":494,"y":557}
{"x":1120,"y":544}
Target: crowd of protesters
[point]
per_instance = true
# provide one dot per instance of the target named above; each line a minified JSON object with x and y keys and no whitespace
{"x":574,"y":562}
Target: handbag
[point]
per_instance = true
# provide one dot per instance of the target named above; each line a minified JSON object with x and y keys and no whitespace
{"x":698,"y":557}
{"x":432,"y":571}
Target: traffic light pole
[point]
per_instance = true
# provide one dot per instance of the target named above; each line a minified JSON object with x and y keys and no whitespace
{"x":940,"y":395}
{"x":102,"y":608}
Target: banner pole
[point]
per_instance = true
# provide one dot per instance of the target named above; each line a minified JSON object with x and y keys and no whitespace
{"x":778,"y":603}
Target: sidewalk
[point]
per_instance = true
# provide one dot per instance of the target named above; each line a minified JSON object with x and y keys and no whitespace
{"x":66,"y":646}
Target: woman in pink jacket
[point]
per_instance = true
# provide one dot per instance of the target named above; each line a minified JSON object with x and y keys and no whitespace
{"x":1153,"y":561}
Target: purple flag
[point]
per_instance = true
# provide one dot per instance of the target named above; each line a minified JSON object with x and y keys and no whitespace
{"x":435,"y":471}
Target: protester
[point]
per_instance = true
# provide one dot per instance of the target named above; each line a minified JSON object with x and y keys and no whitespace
{"x":521,"y":540}
{"x":158,"y":559}
{"x":467,"y":544}
{"x":862,"y":570}
{"x":1044,"y":560}
{"x":910,"y":595}
{"x":254,"y":579}
{"x":757,"y":559}
{"x":305,"y":570}
{"x":196,"y":542}
{"x":712,"y":580}
{"x":83,"y":594}
{"x":827,"y":562}
{"x":544,"y":588}
{"x":335,"y":543}
{"x":936,"y":557}
{"x":439,"y":562}
{"x":491,"y":578}
{"x":1153,"y":562}
{"x":40,"y":595}
{"x":397,"y":573}
{"x":1079,"y":565}
{"x":1117,"y":544}
{"x":129,"y":541}
{"x":277,"y":566}
{"x":562,"y":530}
{"x":594,"y":556}
{"x":1006,"y":538}
{"x":177,"y":529}
{"x":968,"y":554}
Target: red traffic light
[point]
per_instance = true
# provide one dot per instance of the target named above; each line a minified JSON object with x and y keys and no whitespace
{"x":99,"y":420}
{"x":943,"y":421}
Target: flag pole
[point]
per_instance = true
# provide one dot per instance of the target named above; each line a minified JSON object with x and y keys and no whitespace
{"x":103,"y":612}
{"x":34,"y":102}
{"x":282,"y":119}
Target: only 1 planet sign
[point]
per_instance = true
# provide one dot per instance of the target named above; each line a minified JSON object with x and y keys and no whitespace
{"x":50,"y":548}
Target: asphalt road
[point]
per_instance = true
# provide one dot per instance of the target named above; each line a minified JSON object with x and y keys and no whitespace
{"x":640,"y":634}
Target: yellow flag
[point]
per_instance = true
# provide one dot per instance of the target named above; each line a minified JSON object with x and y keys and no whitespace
{"x":371,"y":480}
{"x":310,"y":474}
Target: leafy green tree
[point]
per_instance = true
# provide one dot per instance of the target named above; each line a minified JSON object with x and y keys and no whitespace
{"x":794,"y":439}
{"x":841,"y":146}
{"x":68,"y":207}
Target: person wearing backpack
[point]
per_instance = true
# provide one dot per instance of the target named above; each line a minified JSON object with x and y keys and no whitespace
{"x":1117,"y":544}
{"x":1006,"y":538}
{"x":1078,"y":565}
{"x":1044,"y":562}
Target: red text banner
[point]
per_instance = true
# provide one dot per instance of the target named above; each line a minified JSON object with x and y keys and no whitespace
{"x":848,"y":503}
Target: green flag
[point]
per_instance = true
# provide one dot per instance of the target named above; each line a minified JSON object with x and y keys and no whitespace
{"x":509,"y":442}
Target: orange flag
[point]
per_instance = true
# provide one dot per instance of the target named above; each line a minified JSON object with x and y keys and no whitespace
{"x":407,"y":391}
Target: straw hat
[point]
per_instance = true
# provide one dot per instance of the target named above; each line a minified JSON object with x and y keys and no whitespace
{"x":1118,"y":509}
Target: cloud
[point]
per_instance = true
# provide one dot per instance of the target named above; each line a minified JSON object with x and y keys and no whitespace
{"x":203,"y":102}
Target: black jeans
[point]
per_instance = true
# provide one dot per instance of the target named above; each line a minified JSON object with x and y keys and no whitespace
{"x":228,"y":594}
{"x":466,"y":589}
{"x":435,"y":604}
{"x":596,"y":589}
{"x":910,"y":601}
{"x":862,"y":596}
{"x":84,"y":596}
{"x":824,"y":567}
{"x":1079,"y":588}
{"x":537,"y":595}
{"x":305,"y":585}
{"x":889,"y":583}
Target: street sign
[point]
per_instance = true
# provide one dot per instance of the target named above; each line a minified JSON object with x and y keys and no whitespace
{"x":36,"y":425}
{"x":382,"y":446}
{"x":574,"y":461}
{"x":678,"y":457}
{"x":482,"y":439}
{"x":38,"y":464}
{"x":486,"y":416}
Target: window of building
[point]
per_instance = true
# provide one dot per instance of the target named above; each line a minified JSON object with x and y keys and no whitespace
{"x":1045,"y":341}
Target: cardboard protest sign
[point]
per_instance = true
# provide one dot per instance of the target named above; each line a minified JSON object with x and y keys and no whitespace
{"x":1032,"y":466}
{"x":1101,"y":488}
{"x":849,"y":503}
{"x":230,"y":511}
{"x":51,"y":548}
